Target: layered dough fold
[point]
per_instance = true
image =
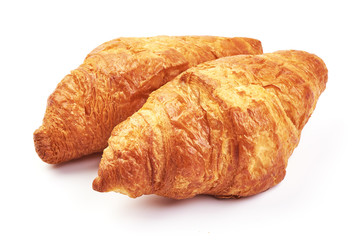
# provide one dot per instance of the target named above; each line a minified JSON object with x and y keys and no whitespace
{"x":114,"y":81}
{"x":225,"y":128}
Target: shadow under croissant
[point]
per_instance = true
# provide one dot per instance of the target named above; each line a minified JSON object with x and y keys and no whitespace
{"x":163,"y":202}
{"x":159,"y":202}
{"x":157,"y":207}
{"x":86,"y":163}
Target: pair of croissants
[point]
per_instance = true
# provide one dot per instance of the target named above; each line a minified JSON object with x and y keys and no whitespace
{"x":185,"y":115}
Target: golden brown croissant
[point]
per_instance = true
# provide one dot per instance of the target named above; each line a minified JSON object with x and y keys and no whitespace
{"x":224,"y":128}
{"x":114,"y":82}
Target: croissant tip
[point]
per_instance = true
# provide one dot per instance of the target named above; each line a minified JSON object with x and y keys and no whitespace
{"x":43,"y":146}
{"x":40,"y":143}
{"x":98,"y":185}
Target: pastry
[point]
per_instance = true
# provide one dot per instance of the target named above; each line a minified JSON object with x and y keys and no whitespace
{"x":114,"y":82}
{"x":224,"y":128}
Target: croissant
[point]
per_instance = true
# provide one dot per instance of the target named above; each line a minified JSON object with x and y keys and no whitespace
{"x":224,"y":128}
{"x":114,"y":81}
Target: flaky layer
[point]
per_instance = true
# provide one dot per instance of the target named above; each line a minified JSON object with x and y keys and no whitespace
{"x":114,"y":81}
{"x":224,"y":128}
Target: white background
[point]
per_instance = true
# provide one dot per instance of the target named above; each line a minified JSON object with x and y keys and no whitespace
{"x":42,"y":41}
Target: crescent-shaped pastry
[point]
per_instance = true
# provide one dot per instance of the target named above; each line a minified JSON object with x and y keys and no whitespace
{"x":225,"y":128}
{"x":114,"y":82}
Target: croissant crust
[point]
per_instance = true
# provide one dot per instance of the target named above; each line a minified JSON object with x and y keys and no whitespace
{"x":225,"y":128}
{"x":114,"y":82}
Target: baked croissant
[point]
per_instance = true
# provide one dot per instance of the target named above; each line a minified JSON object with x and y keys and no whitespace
{"x":114,"y":82}
{"x":224,"y":128}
